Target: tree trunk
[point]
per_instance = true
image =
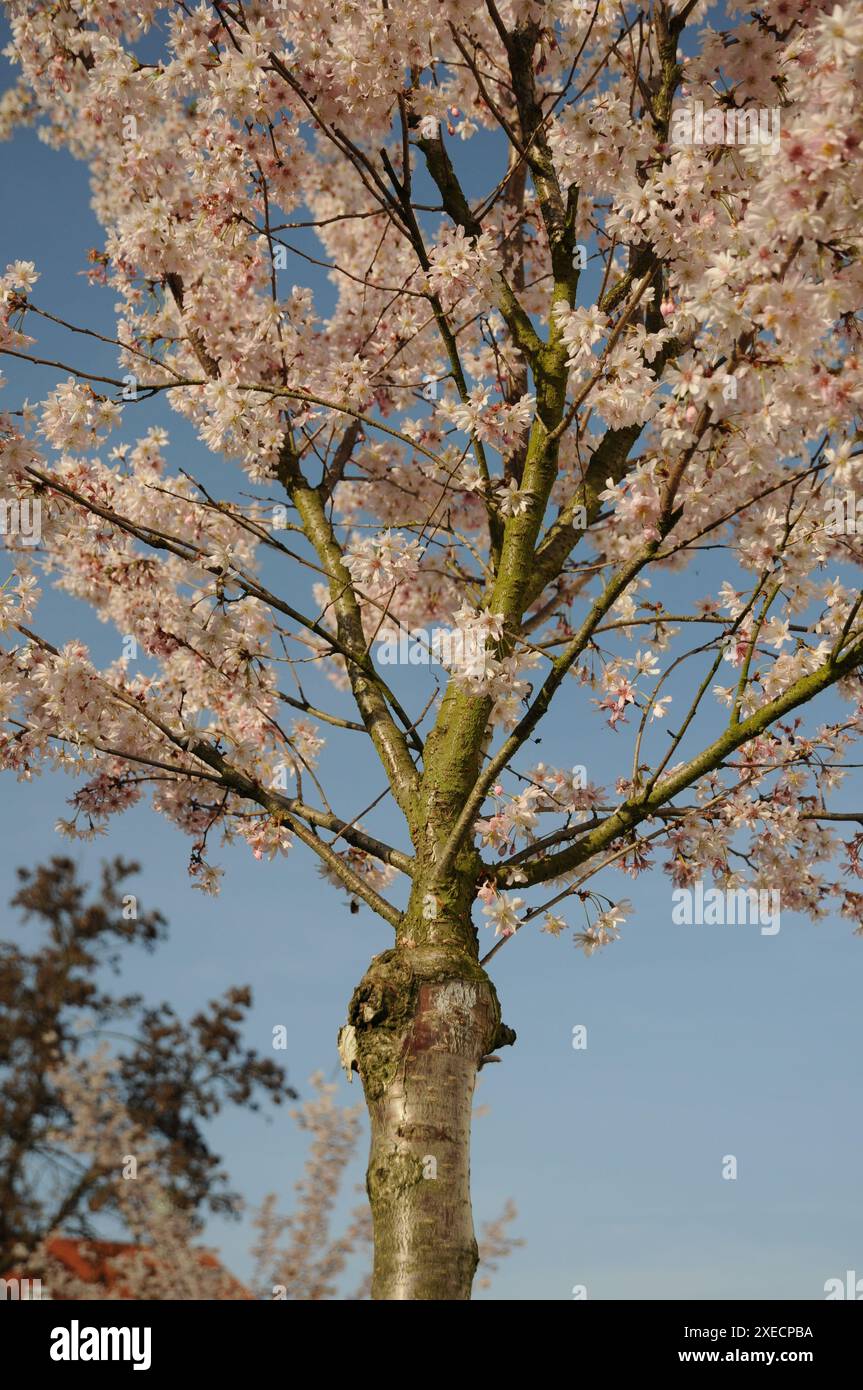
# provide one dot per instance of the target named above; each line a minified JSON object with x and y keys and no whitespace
{"x":422,"y":1018}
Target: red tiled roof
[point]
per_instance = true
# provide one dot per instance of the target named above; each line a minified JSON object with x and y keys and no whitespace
{"x":100,"y":1262}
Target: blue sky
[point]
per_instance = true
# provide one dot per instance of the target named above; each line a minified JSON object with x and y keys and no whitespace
{"x":702,"y":1041}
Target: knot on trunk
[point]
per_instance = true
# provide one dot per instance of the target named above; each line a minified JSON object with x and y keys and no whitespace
{"x":426,"y":1000}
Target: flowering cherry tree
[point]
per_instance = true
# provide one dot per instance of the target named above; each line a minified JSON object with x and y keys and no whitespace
{"x":542,"y":391}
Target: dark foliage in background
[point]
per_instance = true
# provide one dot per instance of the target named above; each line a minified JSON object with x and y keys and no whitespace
{"x":173,"y":1075}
